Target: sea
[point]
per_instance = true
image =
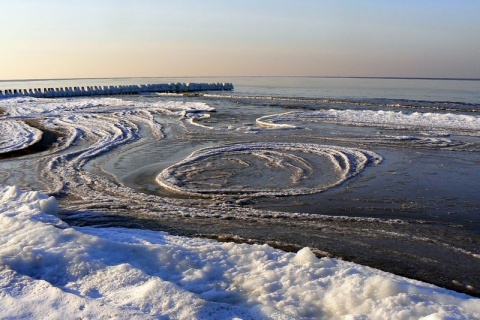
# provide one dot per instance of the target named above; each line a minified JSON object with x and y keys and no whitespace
{"x":379,"y":171}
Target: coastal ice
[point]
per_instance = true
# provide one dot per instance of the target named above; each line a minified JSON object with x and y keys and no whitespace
{"x":380,"y":118}
{"x":17,"y":135}
{"x":51,"y":270}
{"x":105,"y":123}
{"x":93,"y":127}
{"x":287,"y":164}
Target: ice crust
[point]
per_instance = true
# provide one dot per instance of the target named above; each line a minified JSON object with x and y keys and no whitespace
{"x":51,"y":270}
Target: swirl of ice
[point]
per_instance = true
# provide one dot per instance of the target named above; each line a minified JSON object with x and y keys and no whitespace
{"x":265,"y":169}
{"x":17,"y":135}
{"x":93,"y":127}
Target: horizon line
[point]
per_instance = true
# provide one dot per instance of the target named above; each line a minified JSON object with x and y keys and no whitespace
{"x":254,"y":76}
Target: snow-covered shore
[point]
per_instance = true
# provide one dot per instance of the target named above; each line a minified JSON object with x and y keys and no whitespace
{"x":51,"y":270}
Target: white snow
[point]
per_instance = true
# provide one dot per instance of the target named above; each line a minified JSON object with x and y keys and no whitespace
{"x":17,"y":135}
{"x":51,"y":270}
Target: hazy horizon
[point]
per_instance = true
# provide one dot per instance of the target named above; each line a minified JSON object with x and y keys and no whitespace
{"x":121,"y":39}
{"x":251,"y":76}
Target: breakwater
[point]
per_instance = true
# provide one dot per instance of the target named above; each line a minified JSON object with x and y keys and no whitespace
{"x":113,"y":90}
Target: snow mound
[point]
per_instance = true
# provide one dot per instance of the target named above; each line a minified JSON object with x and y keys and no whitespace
{"x":50,"y":270}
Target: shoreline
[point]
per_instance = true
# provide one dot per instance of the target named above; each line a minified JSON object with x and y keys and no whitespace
{"x":332,"y":242}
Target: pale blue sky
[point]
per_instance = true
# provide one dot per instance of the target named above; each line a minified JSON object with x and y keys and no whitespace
{"x":115,"y":38}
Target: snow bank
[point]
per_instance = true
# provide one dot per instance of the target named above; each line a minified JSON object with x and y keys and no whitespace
{"x":50,"y":270}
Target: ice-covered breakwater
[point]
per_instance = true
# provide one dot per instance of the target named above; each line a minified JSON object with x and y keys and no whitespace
{"x":113,"y":90}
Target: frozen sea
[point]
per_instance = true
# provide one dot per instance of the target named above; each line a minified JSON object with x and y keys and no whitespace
{"x":379,"y":173}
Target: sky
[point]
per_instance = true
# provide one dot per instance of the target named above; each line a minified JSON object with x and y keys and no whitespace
{"x":51,"y":39}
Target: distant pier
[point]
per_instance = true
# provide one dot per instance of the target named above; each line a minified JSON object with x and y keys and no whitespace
{"x":114,"y":90}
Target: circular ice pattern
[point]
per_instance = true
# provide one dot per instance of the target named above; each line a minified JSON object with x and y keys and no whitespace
{"x":265,"y":169}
